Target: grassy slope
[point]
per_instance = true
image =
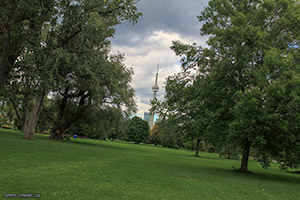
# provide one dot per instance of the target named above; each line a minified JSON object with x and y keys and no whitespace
{"x":90,"y":169}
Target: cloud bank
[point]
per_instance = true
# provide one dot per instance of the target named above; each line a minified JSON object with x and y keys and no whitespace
{"x":150,"y":40}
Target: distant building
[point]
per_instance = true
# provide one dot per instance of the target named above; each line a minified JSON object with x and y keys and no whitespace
{"x":158,"y":120}
{"x":147,"y":117}
{"x":155,"y":89}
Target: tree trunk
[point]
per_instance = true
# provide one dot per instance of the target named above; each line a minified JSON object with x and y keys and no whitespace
{"x":245,"y":158}
{"x":56,"y":132}
{"x":17,"y":112}
{"x":4,"y":67}
{"x":197,"y":147}
{"x":25,"y":113}
{"x":59,"y":127}
{"x":34,"y":114}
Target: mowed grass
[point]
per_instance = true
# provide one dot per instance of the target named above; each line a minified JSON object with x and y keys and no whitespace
{"x":92,"y":169}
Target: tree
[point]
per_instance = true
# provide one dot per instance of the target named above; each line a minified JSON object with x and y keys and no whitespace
{"x":21,"y":25}
{"x":47,"y":116}
{"x":253,"y":54}
{"x":100,"y":124}
{"x":107,"y":87}
{"x":88,"y":77}
{"x":181,"y":110}
{"x":154,"y":135}
{"x":171,"y":135}
{"x":137,"y":130}
{"x":68,"y":47}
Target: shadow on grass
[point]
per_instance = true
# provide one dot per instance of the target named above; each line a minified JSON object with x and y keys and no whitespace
{"x":18,"y":135}
{"x":276,"y":177}
{"x":268,"y":177}
{"x":295,"y":172}
{"x":100,"y":144}
{"x":192,"y":155}
{"x":250,"y":174}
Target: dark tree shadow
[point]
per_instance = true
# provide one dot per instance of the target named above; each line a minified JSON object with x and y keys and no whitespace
{"x":251,"y":175}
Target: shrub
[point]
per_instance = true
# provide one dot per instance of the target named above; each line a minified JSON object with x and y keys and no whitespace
{"x":7,"y":126}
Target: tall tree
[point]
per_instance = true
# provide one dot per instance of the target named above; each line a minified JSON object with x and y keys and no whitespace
{"x":107,"y":87}
{"x":253,"y":50}
{"x":74,"y":39}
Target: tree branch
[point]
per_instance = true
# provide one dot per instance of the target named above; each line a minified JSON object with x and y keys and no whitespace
{"x":16,"y":110}
{"x":67,"y":39}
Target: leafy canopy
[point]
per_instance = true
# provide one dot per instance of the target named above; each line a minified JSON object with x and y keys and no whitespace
{"x":137,"y":130}
{"x":245,"y":86}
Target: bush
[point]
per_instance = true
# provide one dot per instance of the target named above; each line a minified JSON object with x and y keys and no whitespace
{"x":7,"y":126}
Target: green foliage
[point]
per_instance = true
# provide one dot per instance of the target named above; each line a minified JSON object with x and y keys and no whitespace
{"x":68,"y":56}
{"x":21,"y":25}
{"x":170,"y":134}
{"x":100,"y":124}
{"x":180,"y":112}
{"x":244,"y":90}
{"x":137,"y":130}
{"x":88,"y":78}
{"x":47,"y":115}
{"x":184,"y":111}
{"x":106,"y":90}
{"x":230,"y":151}
{"x":154,"y":135}
{"x":7,"y":114}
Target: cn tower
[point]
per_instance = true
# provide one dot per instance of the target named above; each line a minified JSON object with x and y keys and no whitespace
{"x":155,"y":89}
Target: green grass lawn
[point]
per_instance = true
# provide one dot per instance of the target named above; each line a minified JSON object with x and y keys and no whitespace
{"x":92,"y":169}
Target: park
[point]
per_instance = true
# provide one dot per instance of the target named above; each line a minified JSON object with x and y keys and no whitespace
{"x":76,"y":77}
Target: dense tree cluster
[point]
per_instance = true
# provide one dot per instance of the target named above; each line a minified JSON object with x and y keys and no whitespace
{"x":242,"y":91}
{"x":57,"y":54}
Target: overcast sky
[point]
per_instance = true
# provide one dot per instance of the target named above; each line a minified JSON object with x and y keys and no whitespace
{"x":150,"y":39}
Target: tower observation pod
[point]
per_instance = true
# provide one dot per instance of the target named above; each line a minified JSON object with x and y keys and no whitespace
{"x":155,"y":89}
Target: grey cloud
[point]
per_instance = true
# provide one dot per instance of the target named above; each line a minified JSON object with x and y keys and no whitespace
{"x":169,"y":15}
{"x":150,"y":39}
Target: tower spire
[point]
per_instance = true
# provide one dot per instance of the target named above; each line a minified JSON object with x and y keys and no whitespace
{"x":155,"y":89}
{"x":156,"y":72}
